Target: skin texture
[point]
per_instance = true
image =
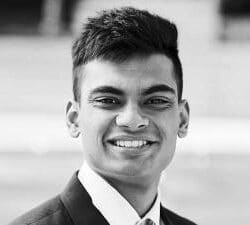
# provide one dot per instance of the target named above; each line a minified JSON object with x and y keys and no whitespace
{"x":129,"y":114}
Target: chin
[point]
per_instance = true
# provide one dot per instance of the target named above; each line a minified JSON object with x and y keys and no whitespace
{"x":132,"y":171}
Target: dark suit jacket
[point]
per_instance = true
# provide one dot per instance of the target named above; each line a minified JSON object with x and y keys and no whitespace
{"x":74,"y":206}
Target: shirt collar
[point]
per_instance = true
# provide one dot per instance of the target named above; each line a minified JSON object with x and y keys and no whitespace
{"x":113,"y":206}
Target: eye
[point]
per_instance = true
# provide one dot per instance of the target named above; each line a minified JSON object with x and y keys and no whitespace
{"x":158,"y":102}
{"x":106,"y":101}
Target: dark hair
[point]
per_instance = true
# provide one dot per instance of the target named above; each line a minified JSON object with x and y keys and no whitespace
{"x":118,"y":34}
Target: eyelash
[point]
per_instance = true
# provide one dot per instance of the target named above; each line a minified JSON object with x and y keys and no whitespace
{"x":111,"y":102}
{"x":160,"y":103}
{"x":107,"y":101}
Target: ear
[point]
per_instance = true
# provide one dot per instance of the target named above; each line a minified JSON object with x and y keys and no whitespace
{"x":72,"y":114}
{"x":184,"y":118}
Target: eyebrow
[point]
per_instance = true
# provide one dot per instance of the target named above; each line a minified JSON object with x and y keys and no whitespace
{"x":158,"y":88}
{"x":107,"y":90}
{"x":146,"y":91}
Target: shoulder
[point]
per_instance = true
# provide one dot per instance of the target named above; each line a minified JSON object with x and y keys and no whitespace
{"x":51,"y":212}
{"x":175,"y":218}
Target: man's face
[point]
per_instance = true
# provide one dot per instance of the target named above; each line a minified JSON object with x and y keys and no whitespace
{"x":129,"y":117}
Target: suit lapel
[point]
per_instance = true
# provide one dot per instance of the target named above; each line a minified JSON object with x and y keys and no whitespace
{"x":166,"y":220}
{"x":79,"y":204}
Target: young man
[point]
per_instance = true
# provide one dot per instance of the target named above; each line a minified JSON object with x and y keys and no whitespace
{"x":128,"y":110}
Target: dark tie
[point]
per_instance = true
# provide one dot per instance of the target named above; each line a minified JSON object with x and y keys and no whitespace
{"x":146,"y":222}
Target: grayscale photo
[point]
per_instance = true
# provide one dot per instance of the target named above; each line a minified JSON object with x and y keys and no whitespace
{"x":124,"y":112}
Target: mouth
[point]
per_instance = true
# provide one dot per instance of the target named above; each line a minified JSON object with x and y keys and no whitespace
{"x":131,"y":144}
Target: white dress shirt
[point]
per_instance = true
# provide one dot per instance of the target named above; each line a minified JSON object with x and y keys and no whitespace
{"x":113,"y":206}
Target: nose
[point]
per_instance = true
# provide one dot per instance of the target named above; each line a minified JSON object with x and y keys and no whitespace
{"x":131,"y":119}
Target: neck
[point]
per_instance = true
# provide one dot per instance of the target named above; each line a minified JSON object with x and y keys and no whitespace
{"x":141,"y":196}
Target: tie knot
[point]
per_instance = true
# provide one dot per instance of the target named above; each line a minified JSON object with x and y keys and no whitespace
{"x":146,"y":222}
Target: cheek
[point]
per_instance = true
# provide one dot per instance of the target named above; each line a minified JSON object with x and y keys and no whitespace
{"x":94,"y":125}
{"x":168,"y":128}
{"x":168,"y":125}
{"x":93,"y":130}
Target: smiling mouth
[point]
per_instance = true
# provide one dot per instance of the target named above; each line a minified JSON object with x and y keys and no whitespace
{"x":130,"y":144}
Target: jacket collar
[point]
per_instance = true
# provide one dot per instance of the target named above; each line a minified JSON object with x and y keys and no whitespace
{"x":164,"y":216}
{"x":79,"y":204}
{"x":81,"y":209}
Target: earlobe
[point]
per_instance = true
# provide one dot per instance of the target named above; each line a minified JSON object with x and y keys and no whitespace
{"x":72,"y":113}
{"x":184,"y":118}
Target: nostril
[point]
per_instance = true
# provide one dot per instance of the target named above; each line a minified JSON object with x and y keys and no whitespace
{"x":131,"y":119}
{"x":141,"y":125}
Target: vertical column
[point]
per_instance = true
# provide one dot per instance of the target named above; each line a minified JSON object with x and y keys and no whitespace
{"x":51,"y":17}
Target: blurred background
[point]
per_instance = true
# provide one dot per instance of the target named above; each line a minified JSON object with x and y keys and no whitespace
{"x":207,"y":180}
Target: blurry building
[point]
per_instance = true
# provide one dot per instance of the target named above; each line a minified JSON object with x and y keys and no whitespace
{"x":49,"y":17}
{"x":235,"y":18}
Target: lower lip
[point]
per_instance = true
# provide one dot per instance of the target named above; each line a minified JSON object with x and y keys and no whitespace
{"x":132,"y":151}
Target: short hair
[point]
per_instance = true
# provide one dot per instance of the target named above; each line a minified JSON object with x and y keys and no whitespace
{"x":119,"y":34}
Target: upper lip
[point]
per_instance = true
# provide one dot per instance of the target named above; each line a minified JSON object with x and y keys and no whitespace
{"x":131,"y":138}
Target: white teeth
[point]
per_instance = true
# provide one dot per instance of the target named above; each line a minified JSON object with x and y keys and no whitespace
{"x":135,"y":143}
{"x":129,"y":144}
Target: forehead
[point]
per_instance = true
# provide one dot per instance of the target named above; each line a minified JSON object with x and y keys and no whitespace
{"x":132,"y":75}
